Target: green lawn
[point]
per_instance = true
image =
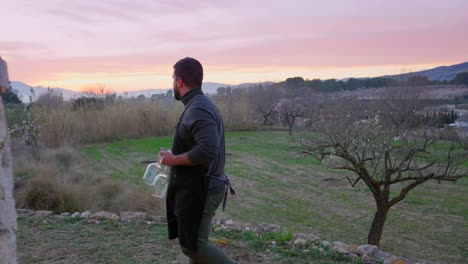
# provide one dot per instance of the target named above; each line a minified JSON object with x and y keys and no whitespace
{"x":275,"y":186}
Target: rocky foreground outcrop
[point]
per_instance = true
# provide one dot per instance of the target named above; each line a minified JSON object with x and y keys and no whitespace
{"x":7,"y":203}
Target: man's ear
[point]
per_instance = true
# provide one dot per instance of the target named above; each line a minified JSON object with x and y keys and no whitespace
{"x":179,"y":82}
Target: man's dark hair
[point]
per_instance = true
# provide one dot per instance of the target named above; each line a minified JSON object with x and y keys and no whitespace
{"x":190,"y":71}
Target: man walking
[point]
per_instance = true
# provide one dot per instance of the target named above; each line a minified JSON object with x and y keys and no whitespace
{"x":197,"y":183}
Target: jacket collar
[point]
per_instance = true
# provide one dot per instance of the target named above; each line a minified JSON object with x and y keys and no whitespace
{"x":190,"y":95}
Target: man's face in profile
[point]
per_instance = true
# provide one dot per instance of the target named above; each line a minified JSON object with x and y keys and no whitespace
{"x":175,"y":86}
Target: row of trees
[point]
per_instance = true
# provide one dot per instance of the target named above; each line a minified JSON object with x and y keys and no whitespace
{"x":300,"y":86}
{"x":276,"y":106}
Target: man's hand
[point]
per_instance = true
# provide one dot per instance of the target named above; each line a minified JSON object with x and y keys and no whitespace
{"x":167,"y":158}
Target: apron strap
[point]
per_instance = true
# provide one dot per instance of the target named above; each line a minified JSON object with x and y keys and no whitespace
{"x":231,"y":191}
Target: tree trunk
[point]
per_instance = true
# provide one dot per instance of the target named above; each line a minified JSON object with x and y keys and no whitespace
{"x":290,"y":124}
{"x":376,"y":230}
{"x":7,"y":203}
{"x":265,"y":119}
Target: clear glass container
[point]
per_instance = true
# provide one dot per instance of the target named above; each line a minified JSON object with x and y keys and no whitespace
{"x":156,"y":176}
{"x":152,"y":170}
{"x":160,"y":185}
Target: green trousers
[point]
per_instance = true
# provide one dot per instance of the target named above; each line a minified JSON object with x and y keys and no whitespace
{"x":208,"y":253}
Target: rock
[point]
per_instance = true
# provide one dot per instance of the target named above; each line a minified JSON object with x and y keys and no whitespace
{"x":217,"y":229}
{"x":4,"y":80}
{"x":237,"y":227}
{"x":387,"y":258}
{"x":325,"y":244}
{"x":8,"y":216}
{"x":383,"y":256}
{"x":305,"y":251}
{"x":368,"y":250}
{"x":42,"y":213}
{"x":340,"y":247}
{"x":85,"y":214}
{"x":66,"y":214}
{"x":273,"y":242}
{"x":300,"y":242}
{"x":265,"y":228}
{"x":94,"y":221}
{"x":396,"y":260}
{"x":352,"y":248}
{"x":369,"y":260}
{"x":133,"y":216}
{"x":156,"y":218}
{"x":23,"y":213}
{"x":310,"y":238}
{"x":321,"y":250}
{"x":76,"y":215}
{"x":232,"y":225}
{"x":247,"y":227}
{"x":103,"y":215}
{"x":150,"y":222}
{"x":353,"y":256}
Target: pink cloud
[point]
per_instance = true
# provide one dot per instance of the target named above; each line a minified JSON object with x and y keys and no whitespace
{"x":51,"y":38}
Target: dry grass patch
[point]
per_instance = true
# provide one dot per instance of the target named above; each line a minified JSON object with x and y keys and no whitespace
{"x":63,"y":181}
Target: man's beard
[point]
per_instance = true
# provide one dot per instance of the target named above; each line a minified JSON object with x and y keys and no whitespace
{"x":176,"y":95}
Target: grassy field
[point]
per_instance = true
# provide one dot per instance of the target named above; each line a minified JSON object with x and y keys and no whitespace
{"x":302,"y":196}
{"x":73,"y":241}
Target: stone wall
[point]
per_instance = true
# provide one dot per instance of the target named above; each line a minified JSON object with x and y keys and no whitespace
{"x":7,"y":203}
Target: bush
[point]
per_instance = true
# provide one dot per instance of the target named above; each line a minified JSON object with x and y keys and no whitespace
{"x":9,"y":97}
{"x":62,"y":182}
{"x":133,"y":199}
{"x":42,"y":193}
{"x":14,"y":114}
{"x":72,"y":198}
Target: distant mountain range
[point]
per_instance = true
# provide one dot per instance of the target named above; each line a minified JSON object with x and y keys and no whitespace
{"x":24,"y":91}
{"x":439,"y":73}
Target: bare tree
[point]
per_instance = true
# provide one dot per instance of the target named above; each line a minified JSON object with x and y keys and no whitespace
{"x":391,"y":148}
{"x":290,"y":109}
{"x":263,"y":101}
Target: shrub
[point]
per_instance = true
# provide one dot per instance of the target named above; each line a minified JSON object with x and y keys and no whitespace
{"x":42,"y":193}
{"x":62,"y":182}
{"x":72,"y":198}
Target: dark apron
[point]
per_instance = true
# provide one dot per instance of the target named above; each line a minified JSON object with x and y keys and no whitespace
{"x":186,"y":195}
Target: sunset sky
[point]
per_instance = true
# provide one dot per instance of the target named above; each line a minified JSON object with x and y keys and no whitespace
{"x":132,"y":45}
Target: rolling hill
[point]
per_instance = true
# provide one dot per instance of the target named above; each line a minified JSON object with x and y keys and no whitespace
{"x":439,"y":73}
